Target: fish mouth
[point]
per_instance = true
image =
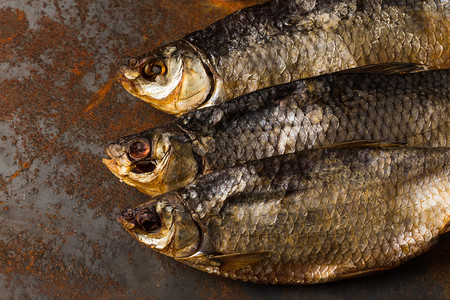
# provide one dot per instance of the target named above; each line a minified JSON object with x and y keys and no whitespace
{"x":121,"y":78}
{"x":121,"y":75}
{"x":125,"y":224}
{"x":127,"y":77}
{"x":111,"y":165}
{"x":125,"y":74}
{"x":143,"y":171}
{"x":145,"y":219}
{"x":158,"y":240}
{"x":128,"y":84}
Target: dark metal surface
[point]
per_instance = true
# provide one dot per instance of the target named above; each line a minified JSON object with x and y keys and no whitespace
{"x":60,"y":104}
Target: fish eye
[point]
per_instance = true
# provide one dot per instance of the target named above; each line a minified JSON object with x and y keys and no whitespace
{"x":153,"y":69}
{"x":139,"y":149}
{"x":148,"y":220}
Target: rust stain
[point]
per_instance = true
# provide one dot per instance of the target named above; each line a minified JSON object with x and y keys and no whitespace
{"x":78,"y":67}
{"x":17,"y":173}
{"x":100,"y":95}
{"x":11,"y":36}
{"x":232,"y":6}
{"x":82,"y":9}
{"x":7,"y":33}
{"x":169,"y":28}
{"x":26,"y":255}
{"x":96,"y":99}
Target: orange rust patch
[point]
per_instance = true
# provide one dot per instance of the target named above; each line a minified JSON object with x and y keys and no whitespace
{"x":190,"y":16}
{"x":96,"y":99}
{"x":67,"y":279}
{"x":232,"y":6}
{"x":13,"y":25}
{"x":100,"y":95}
{"x":15,"y":175}
{"x":8,"y":32}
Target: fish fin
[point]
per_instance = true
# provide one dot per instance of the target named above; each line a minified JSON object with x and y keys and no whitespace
{"x":240,"y":260}
{"x":386,"y":68}
{"x":225,"y":262}
{"x":344,"y":273}
{"x":364,"y":143}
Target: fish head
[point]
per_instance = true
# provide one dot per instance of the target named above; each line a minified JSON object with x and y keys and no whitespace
{"x":154,"y":161}
{"x":164,"y":224}
{"x":173,"y":78}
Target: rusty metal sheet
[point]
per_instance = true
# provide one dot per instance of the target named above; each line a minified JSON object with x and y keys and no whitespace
{"x":60,"y":104}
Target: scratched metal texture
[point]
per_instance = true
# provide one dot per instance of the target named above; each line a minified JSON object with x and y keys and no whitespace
{"x":60,"y":104}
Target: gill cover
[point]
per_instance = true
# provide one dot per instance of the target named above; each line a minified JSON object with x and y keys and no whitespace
{"x":175,"y":78}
